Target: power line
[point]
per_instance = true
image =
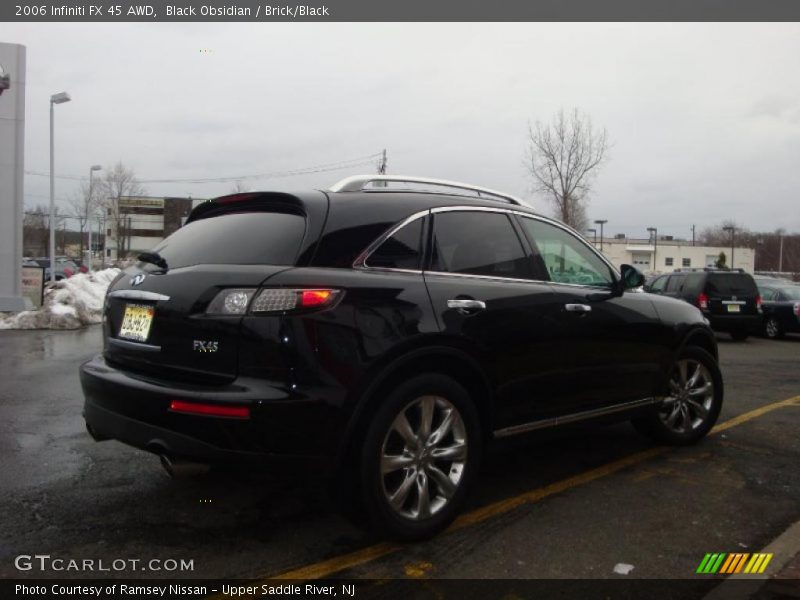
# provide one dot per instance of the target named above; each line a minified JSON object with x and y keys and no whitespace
{"x":333,"y":166}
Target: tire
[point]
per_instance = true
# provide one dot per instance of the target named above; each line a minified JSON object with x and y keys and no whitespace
{"x":688,"y":415}
{"x":772,"y":329}
{"x":740,"y":336}
{"x":437,"y":462}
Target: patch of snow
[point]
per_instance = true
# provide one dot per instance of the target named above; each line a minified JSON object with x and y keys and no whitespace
{"x":68,"y":304}
{"x":622,"y":568}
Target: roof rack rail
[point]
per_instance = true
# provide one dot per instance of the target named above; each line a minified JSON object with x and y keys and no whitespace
{"x":358,"y":183}
{"x":708,"y":270}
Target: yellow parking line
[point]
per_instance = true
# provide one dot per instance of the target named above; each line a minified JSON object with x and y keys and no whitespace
{"x":328,"y":567}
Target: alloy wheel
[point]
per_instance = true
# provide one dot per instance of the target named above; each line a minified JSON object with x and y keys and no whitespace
{"x":691,"y":396}
{"x":772,"y":328}
{"x":423,"y":457}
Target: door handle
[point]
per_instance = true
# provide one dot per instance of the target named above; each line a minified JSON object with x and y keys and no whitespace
{"x":466,"y":306}
{"x":578,"y":308}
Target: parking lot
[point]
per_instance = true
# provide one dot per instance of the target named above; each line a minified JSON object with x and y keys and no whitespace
{"x":575,"y":505}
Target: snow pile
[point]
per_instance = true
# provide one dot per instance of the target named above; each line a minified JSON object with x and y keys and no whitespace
{"x":68,"y":304}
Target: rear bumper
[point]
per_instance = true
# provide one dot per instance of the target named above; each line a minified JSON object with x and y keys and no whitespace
{"x":749,"y":323}
{"x":286,"y":427}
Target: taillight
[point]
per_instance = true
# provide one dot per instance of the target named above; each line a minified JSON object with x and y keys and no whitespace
{"x":702,"y":301}
{"x":211,"y":410}
{"x":758,"y":302}
{"x":273,"y":300}
{"x":68,"y":272}
{"x":238,"y":301}
{"x":797,"y":309}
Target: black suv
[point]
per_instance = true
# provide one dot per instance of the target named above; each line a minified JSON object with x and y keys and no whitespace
{"x":729,"y":298}
{"x":385,"y":335}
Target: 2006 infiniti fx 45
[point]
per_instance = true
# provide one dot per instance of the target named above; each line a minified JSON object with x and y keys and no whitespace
{"x":381,"y":335}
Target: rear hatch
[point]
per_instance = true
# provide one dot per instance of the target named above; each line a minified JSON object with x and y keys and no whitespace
{"x":157,"y":320}
{"x":731,"y":294}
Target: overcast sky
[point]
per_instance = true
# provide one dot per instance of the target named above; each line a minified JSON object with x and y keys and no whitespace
{"x":704,"y":118}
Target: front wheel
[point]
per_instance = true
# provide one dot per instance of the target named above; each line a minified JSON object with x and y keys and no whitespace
{"x":421,"y":451}
{"x":694,"y":402}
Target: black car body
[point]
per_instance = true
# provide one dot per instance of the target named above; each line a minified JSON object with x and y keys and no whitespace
{"x":285,"y":325}
{"x":781,"y":306}
{"x":728,"y":298}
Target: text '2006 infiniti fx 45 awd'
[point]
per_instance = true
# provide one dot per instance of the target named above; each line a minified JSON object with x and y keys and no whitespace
{"x":381,"y":335}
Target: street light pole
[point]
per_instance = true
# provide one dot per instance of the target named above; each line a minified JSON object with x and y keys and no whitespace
{"x":90,"y":210}
{"x":59,"y":98}
{"x":780,"y":253}
{"x":601,"y":222}
{"x":594,"y":231}
{"x":654,"y":232}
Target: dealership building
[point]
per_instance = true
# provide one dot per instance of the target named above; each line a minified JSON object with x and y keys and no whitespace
{"x":666,"y":255}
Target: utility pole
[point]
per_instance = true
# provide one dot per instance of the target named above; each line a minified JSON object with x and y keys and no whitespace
{"x":692,"y":235}
{"x":382,"y":163}
{"x":780,"y":252}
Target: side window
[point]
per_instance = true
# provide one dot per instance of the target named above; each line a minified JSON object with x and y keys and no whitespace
{"x":567,"y":259}
{"x":478,"y":243}
{"x":660,"y":283}
{"x":401,"y":250}
{"x":769,"y":294}
{"x":675,"y":282}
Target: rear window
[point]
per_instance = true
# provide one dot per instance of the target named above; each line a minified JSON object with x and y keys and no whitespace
{"x":401,"y":250}
{"x":731,"y":283}
{"x":791,"y":293}
{"x":236,"y":239}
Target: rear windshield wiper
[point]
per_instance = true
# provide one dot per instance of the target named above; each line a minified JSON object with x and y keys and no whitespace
{"x":153,"y":258}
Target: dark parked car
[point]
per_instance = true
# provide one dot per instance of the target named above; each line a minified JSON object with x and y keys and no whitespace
{"x":728,"y":298}
{"x":781,"y":306}
{"x":380,"y":337}
{"x":65,"y":268}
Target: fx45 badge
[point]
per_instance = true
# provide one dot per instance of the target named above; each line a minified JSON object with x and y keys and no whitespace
{"x":203,"y":346}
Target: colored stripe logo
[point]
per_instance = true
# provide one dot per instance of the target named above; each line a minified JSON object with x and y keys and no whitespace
{"x":728,"y":564}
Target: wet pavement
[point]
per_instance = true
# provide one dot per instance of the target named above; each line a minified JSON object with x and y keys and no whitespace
{"x":69,"y":497}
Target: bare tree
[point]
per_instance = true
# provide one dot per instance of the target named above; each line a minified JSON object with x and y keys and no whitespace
{"x":82,"y":207}
{"x":563,"y":157}
{"x":36,"y":229}
{"x":117,"y":182}
{"x":238,"y":187}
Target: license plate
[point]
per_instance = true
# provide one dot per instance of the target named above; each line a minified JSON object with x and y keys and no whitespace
{"x":136,"y":322}
{"x":734,"y":308}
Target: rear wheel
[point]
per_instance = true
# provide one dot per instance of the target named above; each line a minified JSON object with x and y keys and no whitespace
{"x":693,"y":404}
{"x":421,"y":451}
{"x":772,"y":329}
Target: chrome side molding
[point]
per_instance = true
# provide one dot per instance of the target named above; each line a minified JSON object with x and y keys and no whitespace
{"x":574,"y":417}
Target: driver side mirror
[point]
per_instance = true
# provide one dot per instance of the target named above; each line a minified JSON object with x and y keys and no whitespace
{"x":631,"y":278}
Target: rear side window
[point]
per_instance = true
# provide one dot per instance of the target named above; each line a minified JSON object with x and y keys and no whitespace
{"x":478,"y":243}
{"x":252,"y":238}
{"x":731,"y":284}
{"x":401,"y":250}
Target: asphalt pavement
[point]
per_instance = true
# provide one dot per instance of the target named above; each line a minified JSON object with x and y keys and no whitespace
{"x":586,"y":503}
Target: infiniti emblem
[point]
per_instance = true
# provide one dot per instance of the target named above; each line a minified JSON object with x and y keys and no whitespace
{"x":138,"y":279}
